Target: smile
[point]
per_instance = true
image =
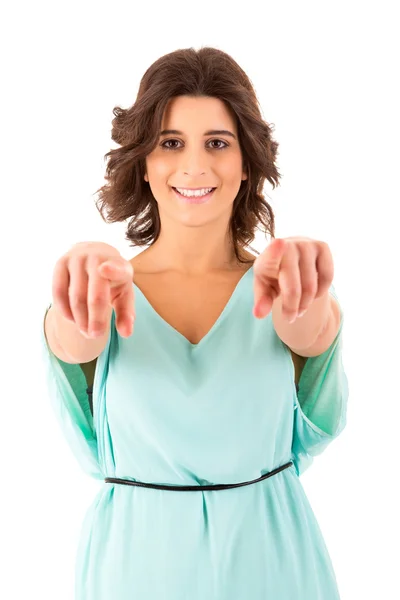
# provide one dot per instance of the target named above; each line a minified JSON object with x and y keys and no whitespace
{"x":193,"y":199}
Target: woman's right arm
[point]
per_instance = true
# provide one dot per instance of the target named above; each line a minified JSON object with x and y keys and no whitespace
{"x":88,"y":282}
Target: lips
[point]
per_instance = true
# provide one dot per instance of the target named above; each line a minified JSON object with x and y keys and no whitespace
{"x":194,"y":199}
{"x":204,"y":188}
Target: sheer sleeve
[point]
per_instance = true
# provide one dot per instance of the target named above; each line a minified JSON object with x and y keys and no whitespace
{"x":320,"y":407}
{"x":71,"y":403}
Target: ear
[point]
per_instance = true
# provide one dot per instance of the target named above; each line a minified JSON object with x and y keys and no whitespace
{"x":145,"y":177}
{"x":244,"y":176}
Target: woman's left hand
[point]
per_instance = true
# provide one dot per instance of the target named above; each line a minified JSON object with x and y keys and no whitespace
{"x":298,"y":268}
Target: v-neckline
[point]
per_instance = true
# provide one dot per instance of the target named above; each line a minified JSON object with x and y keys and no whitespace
{"x":222,"y":315}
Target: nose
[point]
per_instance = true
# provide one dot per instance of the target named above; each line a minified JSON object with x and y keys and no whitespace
{"x":194,"y":162}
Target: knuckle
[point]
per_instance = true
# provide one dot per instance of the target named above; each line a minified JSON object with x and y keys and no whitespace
{"x":94,"y":259}
{"x":58,"y":291}
{"x":292,"y":290}
{"x":77,"y":300}
{"x":77,"y":257}
{"x":309,"y":288}
{"x":96,"y":300}
{"x":97,"y":326}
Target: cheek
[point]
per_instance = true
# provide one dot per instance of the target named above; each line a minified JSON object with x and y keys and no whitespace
{"x":161,"y":174}
{"x":231,"y":170}
{"x":157,"y":167}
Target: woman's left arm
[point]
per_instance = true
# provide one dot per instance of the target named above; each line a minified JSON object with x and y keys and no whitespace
{"x":292,"y":278}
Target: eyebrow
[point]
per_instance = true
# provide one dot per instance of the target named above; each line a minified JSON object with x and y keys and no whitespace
{"x":211,"y":132}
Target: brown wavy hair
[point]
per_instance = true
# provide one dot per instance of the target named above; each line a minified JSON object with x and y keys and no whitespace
{"x":204,"y":72}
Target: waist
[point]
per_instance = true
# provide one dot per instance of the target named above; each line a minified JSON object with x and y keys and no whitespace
{"x":197,"y":488}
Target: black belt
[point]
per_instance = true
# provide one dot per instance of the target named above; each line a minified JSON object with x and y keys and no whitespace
{"x":196,"y":488}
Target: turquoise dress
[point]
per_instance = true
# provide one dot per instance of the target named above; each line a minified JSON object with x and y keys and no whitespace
{"x":225,"y":410}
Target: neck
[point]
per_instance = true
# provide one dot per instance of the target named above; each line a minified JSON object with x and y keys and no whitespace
{"x":195,"y":250}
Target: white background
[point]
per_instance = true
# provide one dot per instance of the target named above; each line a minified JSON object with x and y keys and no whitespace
{"x":326,"y":77}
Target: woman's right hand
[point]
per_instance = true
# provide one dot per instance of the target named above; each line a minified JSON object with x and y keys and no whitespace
{"x":89,"y":279}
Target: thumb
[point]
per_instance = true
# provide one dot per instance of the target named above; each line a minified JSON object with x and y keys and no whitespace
{"x":117,"y":271}
{"x":266,"y":277}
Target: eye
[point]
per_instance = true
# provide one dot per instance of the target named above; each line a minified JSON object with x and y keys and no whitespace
{"x":220,"y":148}
{"x":165,"y":147}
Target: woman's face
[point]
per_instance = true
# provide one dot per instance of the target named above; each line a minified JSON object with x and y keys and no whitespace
{"x":195,"y":156}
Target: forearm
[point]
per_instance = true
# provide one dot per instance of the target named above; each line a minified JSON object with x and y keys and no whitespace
{"x":304,"y":331}
{"x":67,"y":343}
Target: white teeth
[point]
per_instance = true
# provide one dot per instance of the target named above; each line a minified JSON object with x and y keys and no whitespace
{"x":191,"y":193}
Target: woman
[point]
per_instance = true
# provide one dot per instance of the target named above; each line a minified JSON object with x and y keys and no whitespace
{"x":204,"y":415}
